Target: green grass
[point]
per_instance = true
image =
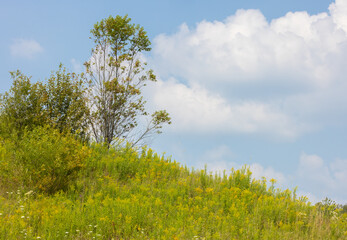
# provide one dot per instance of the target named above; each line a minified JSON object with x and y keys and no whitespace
{"x":126,"y":194}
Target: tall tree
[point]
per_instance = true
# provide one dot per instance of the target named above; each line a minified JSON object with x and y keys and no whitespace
{"x":117,"y":76}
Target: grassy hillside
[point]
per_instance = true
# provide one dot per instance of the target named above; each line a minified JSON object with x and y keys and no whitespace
{"x":125,"y":194}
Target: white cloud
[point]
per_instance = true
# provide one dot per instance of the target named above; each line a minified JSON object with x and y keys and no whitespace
{"x":248,"y":75}
{"x":25,"y":48}
{"x":311,"y":162}
{"x":194,"y":109}
{"x":312,"y":168}
{"x":338,"y":11}
{"x":321,"y":179}
{"x":245,"y":47}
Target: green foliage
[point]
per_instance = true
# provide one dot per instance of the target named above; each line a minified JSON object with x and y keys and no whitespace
{"x":117,"y":76}
{"x":65,"y":102}
{"x":60,"y":103}
{"x":22,"y":106}
{"x":125,"y":39}
{"x":327,"y":207}
{"x":42,"y":160}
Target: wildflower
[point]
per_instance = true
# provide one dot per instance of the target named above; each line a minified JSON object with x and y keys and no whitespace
{"x":199,"y":190}
{"x":22,"y":217}
{"x":273,"y":181}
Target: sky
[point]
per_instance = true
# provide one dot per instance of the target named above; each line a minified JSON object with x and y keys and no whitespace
{"x":261,"y":83}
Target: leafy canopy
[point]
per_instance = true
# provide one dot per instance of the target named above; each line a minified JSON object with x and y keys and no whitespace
{"x":60,"y":103}
{"x":117,"y":74}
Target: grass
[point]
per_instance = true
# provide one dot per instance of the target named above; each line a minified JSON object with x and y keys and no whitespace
{"x":126,"y":194}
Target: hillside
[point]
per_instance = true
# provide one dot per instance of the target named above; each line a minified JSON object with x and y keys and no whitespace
{"x":126,"y":194}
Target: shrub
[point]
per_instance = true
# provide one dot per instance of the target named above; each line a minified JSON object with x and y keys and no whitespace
{"x":45,"y":160}
{"x":60,"y":103}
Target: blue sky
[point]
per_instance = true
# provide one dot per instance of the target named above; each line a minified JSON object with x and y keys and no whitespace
{"x":246,"y":82}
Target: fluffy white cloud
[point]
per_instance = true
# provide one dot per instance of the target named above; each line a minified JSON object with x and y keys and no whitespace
{"x":322,"y":179}
{"x":338,"y":11}
{"x":245,"y":47}
{"x":194,"y":109}
{"x":246,"y":74}
{"x":312,"y":168}
{"x":25,"y":48}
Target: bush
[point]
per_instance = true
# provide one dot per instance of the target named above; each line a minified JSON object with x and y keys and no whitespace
{"x":60,"y":103}
{"x":43,"y":159}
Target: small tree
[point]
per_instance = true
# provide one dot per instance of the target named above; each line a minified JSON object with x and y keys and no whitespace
{"x":117,"y":75}
{"x":65,"y":102}
{"x":60,"y":103}
{"x":22,"y":105}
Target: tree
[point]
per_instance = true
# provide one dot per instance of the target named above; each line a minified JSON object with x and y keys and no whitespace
{"x":22,"y":105}
{"x":60,"y":103}
{"x":117,"y":75}
{"x":65,"y":102}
